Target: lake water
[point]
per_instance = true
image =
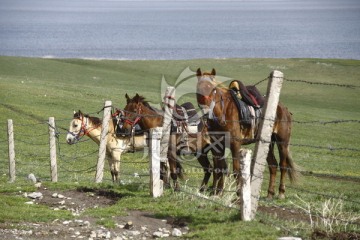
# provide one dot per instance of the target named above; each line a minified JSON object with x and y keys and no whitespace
{"x":180,"y":29}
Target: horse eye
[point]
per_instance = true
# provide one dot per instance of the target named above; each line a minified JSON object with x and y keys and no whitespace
{"x":75,"y":125}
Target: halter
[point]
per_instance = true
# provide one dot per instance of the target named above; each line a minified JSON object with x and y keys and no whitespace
{"x":212,"y":97}
{"x":83,"y":130}
{"x":133,"y":123}
{"x":136,"y":120}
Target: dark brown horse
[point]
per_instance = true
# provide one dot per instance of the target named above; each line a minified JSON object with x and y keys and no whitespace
{"x":217,"y":101}
{"x":138,"y":111}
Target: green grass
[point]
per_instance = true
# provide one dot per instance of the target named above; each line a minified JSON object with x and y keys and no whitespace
{"x":33,"y":89}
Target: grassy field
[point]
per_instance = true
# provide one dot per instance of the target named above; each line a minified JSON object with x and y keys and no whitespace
{"x":324,"y":101}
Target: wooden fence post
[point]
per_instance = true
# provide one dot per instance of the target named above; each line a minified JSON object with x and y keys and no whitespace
{"x":103,"y":142}
{"x":11,"y":145}
{"x":266,"y":127}
{"x":169,"y":102}
{"x":156,"y":184}
{"x":52,"y":144}
{"x":245,"y":197}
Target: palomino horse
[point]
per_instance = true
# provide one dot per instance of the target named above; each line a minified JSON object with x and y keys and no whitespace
{"x":82,"y":125}
{"x":138,"y":111}
{"x":224,"y":116}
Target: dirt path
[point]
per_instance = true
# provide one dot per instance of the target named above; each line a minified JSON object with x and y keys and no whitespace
{"x":136,"y":225}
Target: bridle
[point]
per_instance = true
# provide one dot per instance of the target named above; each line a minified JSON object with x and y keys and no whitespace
{"x":137,"y":119}
{"x":83,"y":130}
{"x":212,"y":98}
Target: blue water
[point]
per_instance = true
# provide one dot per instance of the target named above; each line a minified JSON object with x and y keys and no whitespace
{"x":180,"y":29}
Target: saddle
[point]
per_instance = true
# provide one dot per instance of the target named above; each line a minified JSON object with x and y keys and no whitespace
{"x":249,"y":94}
{"x":185,"y":118}
{"x":186,"y":124}
{"x":248,"y":101}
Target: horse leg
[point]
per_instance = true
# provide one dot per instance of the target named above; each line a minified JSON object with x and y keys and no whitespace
{"x":220,"y":167}
{"x":273,"y":165}
{"x":284,"y":154}
{"x":172,"y":162}
{"x":111,"y":165}
{"x":114,"y":163}
{"x":235,"y":151}
{"x":164,"y":174}
{"x":173,"y":173}
{"x":207,"y":168}
{"x":114,"y":173}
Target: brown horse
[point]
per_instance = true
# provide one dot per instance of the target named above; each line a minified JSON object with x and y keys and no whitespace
{"x":138,"y":111}
{"x":223,"y":116}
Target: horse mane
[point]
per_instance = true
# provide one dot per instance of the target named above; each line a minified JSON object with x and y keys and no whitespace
{"x":140,"y":99}
{"x":94,"y":120}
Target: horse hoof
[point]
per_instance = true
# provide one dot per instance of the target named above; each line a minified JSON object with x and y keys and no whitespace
{"x":269,"y":197}
{"x":281,"y":196}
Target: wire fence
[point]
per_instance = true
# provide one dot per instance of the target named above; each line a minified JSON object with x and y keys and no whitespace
{"x":78,"y":162}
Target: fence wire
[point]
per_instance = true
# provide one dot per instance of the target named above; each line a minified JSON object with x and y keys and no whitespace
{"x":66,"y":160}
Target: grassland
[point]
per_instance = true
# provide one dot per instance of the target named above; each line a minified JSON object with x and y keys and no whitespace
{"x":32,"y":89}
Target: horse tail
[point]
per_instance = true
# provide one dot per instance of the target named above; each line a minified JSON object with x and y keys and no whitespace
{"x":293,"y":169}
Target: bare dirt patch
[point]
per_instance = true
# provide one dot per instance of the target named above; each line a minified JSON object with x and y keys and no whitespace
{"x":134,"y":225}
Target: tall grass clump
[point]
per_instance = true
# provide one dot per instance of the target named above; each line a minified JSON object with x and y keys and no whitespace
{"x":329,"y":216}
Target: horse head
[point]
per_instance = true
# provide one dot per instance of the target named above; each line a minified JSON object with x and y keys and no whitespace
{"x":81,"y":125}
{"x":76,"y":129}
{"x":132,"y":112}
{"x":205,"y":88}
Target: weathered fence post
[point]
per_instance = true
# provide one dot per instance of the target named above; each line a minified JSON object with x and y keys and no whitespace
{"x":169,"y":103}
{"x":262,"y":146}
{"x":11,"y":145}
{"x":156,"y":184}
{"x":245,"y":196}
{"x":103,"y":141}
{"x":52,"y":144}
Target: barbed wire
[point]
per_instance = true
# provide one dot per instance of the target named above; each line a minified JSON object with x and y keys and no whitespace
{"x":321,"y":83}
{"x":323,"y":122}
{"x":64,"y":167}
{"x":29,"y":142}
{"x":300,"y":171}
{"x":86,"y":170}
{"x":331,"y":148}
{"x":311,"y":83}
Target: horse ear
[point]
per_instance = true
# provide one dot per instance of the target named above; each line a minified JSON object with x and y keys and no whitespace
{"x":137,"y":98}
{"x":127,"y":98}
{"x":213,"y":72}
{"x":78,"y":114}
{"x":198,"y":72}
